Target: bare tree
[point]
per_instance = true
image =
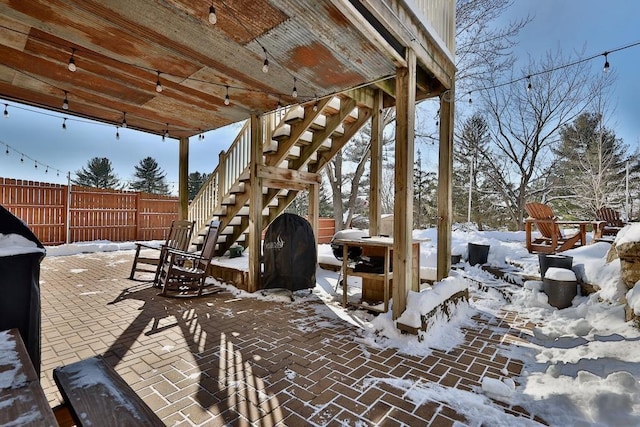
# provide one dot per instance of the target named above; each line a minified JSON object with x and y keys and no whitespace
{"x":526,"y":122}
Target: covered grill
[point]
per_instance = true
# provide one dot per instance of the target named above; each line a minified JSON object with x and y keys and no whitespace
{"x":290,"y":254}
{"x":355,"y":252}
{"x":20,"y":255}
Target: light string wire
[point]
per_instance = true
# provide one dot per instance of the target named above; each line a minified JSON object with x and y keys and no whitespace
{"x":75,"y":50}
{"x":306,"y":98}
{"x":556,"y":68}
{"x":8,"y":149}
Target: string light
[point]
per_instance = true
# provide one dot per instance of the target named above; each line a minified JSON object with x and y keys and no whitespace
{"x":294,"y":92}
{"x":72,"y":63}
{"x":213,"y":18}
{"x":470,"y":100}
{"x":606,"y":63}
{"x":117,"y":134}
{"x":227,"y":101}
{"x":166,"y":133}
{"x":64,"y":124}
{"x":6,"y":111}
{"x":529,"y":84}
{"x":65,"y":102}
{"x":124,"y":120}
{"x":315,"y":105}
{"x":36,"y":162}
{"x":158,"y":84}
{"x":265,"y":64}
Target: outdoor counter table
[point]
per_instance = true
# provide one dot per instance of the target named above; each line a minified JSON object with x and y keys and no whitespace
{"x":22,"y":400}
{"x":380,"y":246}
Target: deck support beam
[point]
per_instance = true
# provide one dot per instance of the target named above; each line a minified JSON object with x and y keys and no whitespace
{"x":445,"y":178}
{"x":255,"y":203}
{"x":377,"y":127}
{"x":183,"y":178}
{"x":403,"y":200}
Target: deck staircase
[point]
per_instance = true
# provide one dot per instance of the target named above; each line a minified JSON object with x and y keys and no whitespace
{"x":301,"y":138}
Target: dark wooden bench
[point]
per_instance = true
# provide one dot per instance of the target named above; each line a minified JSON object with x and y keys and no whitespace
{"x":97,"y":396}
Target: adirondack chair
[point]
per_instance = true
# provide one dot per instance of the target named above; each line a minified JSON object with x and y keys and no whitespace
{"x":613,"y":222}
{"x":552,"y":239}
{"x":183,"y":274}
{"x":179,"y":237}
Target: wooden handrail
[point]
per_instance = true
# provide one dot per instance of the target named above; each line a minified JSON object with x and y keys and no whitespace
{"x":231,"y":165}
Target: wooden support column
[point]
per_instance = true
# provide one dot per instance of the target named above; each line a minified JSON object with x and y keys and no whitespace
{"x":183,"y":178}
{"x":255,"y":204}
{"x":375,"y":204}
{"x":403,"y":200}
{"x":314,"y":210}
{"x":445,"y":168}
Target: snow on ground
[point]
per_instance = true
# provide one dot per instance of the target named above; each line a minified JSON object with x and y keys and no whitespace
{"x":581,"y":363}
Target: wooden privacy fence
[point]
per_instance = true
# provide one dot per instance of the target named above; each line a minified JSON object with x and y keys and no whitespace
{"x":60,"y":214}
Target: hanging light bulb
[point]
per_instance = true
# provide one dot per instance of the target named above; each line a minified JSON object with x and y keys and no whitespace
{"x":606,"y":63}
{"x":227,"y":101}
{"x":158,"y":84}
{"x":35,"y":165}
{"x":65,"y":102}
{"x":470,"y":100}
{"x":46,"y":169}
{"x":294,"y":92}
{"x":265,"y":64}
{"x":529,"y":84}
{"x":64,"y":124}
{"x":6,"y":151}
{"x":117,"y":134}
{"x":72,"y":63}
{"x":6,"y":111}
{"x":212,"y":15}
{"x":22,"y":158}
{"x":124,"y":120}
{"x":315,"y":105}
{"x":166,"y":132}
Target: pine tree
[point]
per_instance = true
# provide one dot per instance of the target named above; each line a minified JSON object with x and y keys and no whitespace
{"x":590,"y":170}
{"x":98,"y":173}
{"x":196,"y":181}
{"x":150,"y":178}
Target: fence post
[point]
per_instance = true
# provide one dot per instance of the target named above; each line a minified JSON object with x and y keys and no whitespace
{"x":67,"y":221}
{"x":137,"y":216}
{"x":222,"y":176}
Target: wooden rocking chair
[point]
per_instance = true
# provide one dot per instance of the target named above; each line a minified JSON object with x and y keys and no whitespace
{"x":183,"y":274}
{"x":551,"y":239}
{"x":613,"y":222}
{"x":179,"y":238}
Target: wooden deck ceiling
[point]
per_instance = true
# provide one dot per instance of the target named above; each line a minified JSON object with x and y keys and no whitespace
{"x":122,"y":48}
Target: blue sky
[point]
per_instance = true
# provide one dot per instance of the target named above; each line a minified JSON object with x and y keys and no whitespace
{"x":569,"y":25}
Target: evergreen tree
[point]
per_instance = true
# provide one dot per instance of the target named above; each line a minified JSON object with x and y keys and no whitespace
{"x":424,"y":195}
{"x":196,"y":181}
{"x":98,"y":173}
{"x":150,"y":178}
{"x":469,"y":169}
{"x":590,"y":171}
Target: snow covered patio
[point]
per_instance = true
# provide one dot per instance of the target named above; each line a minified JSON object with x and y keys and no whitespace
{"x":255,"y":361}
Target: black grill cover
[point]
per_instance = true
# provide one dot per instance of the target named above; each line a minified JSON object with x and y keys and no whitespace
{"x":290,"y":254}
{"x":20,"y":288}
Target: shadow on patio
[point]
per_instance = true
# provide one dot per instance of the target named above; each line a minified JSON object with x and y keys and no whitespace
{"x":244,"y":361}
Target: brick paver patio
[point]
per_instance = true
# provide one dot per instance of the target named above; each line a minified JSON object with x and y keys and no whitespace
{"x":225,"y":360}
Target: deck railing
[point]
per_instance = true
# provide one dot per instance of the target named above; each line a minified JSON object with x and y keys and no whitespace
{"x":231,"y":165}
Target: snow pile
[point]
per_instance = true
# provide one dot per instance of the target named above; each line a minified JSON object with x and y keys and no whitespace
{"x":421,"y":303}
{"x":560,"y":274}
{"x":15,"y":244}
